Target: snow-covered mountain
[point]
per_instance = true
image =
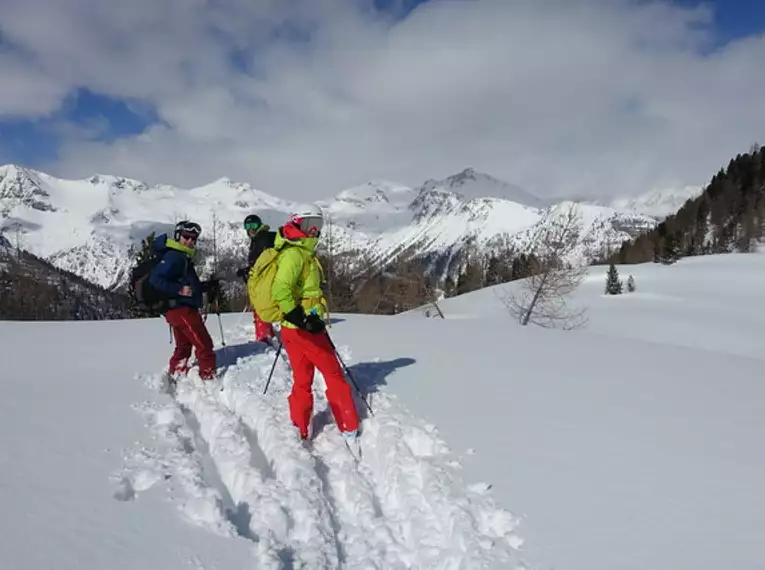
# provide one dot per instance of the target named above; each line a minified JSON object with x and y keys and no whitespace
{"x":88,"y":226}
{"x":442,"y":219}
{"x":657,"y":203}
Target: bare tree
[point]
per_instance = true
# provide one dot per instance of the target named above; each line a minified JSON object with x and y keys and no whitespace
{"x":542,"y":298}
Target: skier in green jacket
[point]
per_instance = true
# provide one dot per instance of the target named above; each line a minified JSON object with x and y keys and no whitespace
{"x":297,"y":291}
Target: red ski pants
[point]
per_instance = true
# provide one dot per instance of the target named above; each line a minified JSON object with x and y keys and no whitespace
{"x":263,"y":330}
{"x":307,"y":352}
{"x":190,"y":332}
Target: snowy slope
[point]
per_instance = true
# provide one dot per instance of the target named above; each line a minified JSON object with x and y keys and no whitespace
{"x":635,"y":443}
{"x":89,"y":226}
{"x":672,"y":304}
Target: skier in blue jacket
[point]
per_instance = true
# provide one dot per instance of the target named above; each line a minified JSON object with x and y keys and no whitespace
{"x":176,"y":277}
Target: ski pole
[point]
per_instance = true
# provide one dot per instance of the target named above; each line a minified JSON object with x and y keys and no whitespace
{"x":348,"y":372}
{"x":270,"y":374}
{"x":220,"y":322}
{"x":239,"y":320}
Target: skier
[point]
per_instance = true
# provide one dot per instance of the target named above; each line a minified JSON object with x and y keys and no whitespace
{"x":176,"y":277}
{"x":297,"y":290}
{"x":260,"y":238}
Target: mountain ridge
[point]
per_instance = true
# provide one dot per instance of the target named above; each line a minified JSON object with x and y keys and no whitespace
{"x":88,"y":226}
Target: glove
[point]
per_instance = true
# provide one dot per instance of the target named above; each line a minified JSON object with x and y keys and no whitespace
{"x":296,"y":316}
{"x":212,"y":288}
{"x":314,"y":324}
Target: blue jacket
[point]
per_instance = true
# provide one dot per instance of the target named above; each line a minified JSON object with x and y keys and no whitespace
{"x":174,"y":272}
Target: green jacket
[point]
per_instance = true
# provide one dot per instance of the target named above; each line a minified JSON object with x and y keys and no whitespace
{"x":298,"y":277}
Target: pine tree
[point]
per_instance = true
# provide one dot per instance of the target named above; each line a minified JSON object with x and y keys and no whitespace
{"x":471,"y":279}
{"x":728,"y":216}
{"x":631,"y":284}
{"x":494,"y":271}
{"x":613,"y":284}
{"x":450,"y":287}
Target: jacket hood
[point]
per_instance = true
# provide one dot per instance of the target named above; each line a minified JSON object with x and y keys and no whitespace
{"x":307,"y":243}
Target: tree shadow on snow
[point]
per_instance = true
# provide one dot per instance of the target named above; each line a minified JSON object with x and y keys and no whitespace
{"x":368,"y":376}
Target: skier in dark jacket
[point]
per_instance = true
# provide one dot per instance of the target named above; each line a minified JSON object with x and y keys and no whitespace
{"x":261,"y":238}
{"x":176,"y":277}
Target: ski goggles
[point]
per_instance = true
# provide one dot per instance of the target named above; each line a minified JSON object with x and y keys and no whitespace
{"x":190,"y":230}
{"x":252,"y":226}
{"x":309,"y":225}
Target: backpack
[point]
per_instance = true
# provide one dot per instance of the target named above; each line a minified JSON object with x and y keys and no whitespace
{"x":259,"y":286}
{"x":261,"y":281}
{"x":141,"y":292}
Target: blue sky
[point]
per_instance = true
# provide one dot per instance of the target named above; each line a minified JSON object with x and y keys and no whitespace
{"x":735,"y":18}
{"x":86,"y":122}
{"x":102,"y":118}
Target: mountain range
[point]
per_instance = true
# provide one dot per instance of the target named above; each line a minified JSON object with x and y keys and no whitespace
{"x":90,"y":226}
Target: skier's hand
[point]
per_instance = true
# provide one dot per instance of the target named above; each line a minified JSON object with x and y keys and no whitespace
{"x":296,"y":316}
{"x":213,"y":289}
{"x":185,"y":291}
{"x":314,"y":324}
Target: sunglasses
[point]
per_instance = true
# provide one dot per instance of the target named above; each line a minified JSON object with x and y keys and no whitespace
{"x":187,"y":235}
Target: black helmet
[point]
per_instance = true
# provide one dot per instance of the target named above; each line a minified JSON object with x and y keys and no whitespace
{"x":188,"y":228}
{"x":252,"y":222}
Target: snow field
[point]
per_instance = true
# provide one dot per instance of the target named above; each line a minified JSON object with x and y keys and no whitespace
{"x":240,"y":470}
{"x":635,"y":443}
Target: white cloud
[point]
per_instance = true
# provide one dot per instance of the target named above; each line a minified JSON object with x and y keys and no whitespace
{"x":560,"y":97}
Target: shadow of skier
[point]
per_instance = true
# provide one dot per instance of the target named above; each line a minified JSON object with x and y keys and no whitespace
{"x":228,"y":356}
{"x":369,"y":376}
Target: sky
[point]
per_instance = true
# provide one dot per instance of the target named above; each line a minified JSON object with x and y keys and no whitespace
{"x":304,"y":98}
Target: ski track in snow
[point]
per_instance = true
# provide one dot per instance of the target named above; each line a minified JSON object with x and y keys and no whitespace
{"x":235,"y":465}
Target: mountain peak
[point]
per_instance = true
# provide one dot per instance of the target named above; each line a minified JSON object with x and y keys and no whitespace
{"x":22,"y":187}
{"x":468,"y":174}
{"x":471,"y":184}
{"x":20,"y":173}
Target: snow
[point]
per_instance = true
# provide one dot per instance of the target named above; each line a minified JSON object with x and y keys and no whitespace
{"x":633,"y":443}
